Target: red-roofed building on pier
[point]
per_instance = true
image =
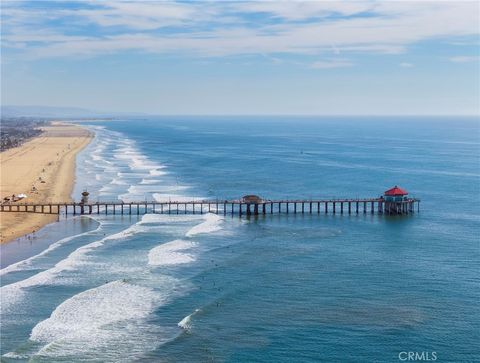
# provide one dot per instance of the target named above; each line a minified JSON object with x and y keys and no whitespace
{"x":395,"y":194}
{"x":397,"y":202}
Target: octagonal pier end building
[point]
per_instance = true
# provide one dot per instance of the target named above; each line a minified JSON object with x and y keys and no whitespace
{"x":396,"y":201}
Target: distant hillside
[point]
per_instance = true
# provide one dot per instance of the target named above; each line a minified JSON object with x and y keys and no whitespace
{"x":60,"y":112}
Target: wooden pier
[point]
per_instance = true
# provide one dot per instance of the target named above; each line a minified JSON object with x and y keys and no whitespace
{"x":239,"y":207}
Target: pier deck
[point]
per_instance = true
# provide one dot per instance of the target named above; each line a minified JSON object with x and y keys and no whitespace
{"x":230,"y":207}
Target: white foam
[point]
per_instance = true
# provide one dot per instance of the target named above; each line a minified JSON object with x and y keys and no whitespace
{"x":99,"y":159}
{"x":111,"y":169}
{"x":157,"y":171}
{"x":136,"y":189}
{"x":126,"y":154}
{"x":170,"y":253}
{"x":186,"y":322}
{"x":97,"y":127}
{"x":164,"y":198}
{"x":109,"y":319}
{"x":131,"y":175}
{"x":106,"y":188}
{"x":142,"y":163}
{"x":83,"y":314}
{"x":167,"y":219}
{"x":150,"y":181}
{"x":21,"y":265}
{"x":151,"y":218}
{"x":212,"y":224}
{"x":12,"y":293}
{"x":14,"y":355}
{"x":118,"y":181}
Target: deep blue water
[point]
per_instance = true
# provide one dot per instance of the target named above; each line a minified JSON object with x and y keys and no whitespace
{"x":296,"y":288}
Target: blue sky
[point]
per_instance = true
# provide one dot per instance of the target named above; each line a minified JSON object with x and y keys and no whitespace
{"x":276,"y":57}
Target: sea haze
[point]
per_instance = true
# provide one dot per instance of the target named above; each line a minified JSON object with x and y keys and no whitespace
{"x":277,"y":288}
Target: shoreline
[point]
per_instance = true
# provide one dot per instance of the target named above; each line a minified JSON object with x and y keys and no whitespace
{"x":46,"y":162}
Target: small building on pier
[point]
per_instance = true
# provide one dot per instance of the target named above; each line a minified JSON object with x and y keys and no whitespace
{"x":251,"y":199}
{"x":395,"y":194}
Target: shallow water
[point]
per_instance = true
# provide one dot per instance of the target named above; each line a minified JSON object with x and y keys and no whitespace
{"x":273,"y":288}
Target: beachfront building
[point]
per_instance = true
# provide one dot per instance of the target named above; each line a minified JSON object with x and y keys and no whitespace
{"x":395,"y":194}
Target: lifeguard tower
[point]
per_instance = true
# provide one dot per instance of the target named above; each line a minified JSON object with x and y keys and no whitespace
{"x":85,"y":195}
{"x":84,"y":201}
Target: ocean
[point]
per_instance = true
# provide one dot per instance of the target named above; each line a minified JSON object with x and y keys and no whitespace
{"x":273,"y":288}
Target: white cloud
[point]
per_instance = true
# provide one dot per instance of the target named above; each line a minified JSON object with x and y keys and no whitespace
{"x":331,"y":63}
{"x":299,"y":10}
{"x":464,"y":59}
{"x":222,"y":28}
{"x":406,"y":65}
{"x":137,"y":15}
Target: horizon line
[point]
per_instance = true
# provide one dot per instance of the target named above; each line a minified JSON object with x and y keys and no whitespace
{"x":134,"y":115}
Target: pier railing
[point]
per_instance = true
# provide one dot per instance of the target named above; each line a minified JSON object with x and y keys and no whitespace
{"x":230,"y":207}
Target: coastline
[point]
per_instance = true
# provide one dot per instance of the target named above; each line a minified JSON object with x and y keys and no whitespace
{"x":46,"y":162}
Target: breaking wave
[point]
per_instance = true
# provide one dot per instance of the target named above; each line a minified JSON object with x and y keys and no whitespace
{"x":106,"y":323}
{"x":21,"y":265}
{"x":171,"y":253}
{"x":212,"y":224}
{"x":186,"y":322}
{"x":12,"y":293}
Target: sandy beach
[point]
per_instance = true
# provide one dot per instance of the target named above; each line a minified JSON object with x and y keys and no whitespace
{"x":43,"y":169}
